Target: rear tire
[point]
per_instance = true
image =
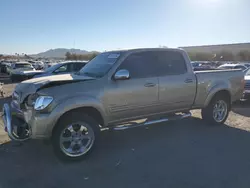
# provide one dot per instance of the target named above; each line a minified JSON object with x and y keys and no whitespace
{"x":75,"y":136}
{"x":217,"y":110}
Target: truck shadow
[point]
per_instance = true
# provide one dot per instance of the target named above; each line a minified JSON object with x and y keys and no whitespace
{"x":185,"y":153}
{"x":242,"y":108}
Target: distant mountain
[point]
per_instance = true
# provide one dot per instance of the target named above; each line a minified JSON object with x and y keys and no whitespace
{"x":58,"y":53}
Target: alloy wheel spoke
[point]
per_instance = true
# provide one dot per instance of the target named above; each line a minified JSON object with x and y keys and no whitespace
{"x":82,"y":148}
{"x":66,"y":139}
{"x":70,"y":149}
{"x":86,"y":136}
{"x":220,"y":110}
{"x":77,"y":139}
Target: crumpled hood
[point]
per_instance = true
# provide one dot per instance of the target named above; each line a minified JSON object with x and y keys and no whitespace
{"x":28,"y":87}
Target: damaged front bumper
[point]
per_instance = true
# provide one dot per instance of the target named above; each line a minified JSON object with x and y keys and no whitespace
{"x":246,"y":94}
{"x":17,"y":128}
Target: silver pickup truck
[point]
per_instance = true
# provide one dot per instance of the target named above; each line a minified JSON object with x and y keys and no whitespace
{"x":117,"y":90}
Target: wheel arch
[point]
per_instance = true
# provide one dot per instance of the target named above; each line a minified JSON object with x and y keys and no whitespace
{"x":89,"y":110}
{"x":223,"y":92}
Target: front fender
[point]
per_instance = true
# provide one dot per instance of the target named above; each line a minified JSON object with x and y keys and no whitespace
{"x":74,"y":103}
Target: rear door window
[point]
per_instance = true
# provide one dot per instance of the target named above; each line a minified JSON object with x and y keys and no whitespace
{"x":170,"y":63}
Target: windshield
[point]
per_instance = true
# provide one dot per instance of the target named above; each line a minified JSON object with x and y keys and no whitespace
{"x":100,"y":65}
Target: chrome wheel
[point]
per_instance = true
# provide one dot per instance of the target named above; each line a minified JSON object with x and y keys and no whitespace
{"x":77,"y":139}
{"x":220,"y":111}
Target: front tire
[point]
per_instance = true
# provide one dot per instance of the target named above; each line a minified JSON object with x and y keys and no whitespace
{"x":217,"y":110}
{"x":75,"y":136}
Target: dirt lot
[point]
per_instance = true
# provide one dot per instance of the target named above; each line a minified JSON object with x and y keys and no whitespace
{"x":187,"y":153}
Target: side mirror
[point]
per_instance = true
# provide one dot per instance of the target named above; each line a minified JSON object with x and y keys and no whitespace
{"x":122,"y":74}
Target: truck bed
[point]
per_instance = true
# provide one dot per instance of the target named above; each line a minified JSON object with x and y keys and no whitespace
{"x":210,"y":81}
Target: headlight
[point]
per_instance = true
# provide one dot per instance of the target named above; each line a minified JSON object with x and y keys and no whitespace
{"x":42,"y":102}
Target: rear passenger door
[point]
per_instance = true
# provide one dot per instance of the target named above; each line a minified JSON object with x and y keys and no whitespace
{"x":177,"y":85}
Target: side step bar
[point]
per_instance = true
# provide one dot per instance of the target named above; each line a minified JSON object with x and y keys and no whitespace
{"x":149,"y":122}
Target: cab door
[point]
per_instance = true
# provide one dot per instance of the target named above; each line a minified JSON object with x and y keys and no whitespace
{"x":177,"y":85}
{"x":136,"y":96}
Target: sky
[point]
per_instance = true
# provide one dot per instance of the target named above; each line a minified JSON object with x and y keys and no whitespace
{"x":33,"y":26}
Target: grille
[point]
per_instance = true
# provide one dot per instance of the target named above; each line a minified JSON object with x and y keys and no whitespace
{"x":247,"y":86}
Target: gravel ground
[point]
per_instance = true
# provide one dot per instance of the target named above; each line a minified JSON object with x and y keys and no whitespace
{"x":187,"y":153}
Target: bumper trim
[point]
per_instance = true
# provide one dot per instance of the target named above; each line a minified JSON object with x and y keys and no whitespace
{"x":7,"y":119}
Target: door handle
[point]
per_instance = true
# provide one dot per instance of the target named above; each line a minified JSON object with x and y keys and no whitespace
{"x":189,"y":80}
{"x":149,"y":85}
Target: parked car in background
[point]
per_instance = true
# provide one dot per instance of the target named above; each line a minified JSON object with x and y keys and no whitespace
{"x":62,"y":68}
{"x":4,"y":66}
{"x":203,"y":68}
{"x":19,"y":70}
{"x":46,"y":65}
{"x":246,"y":65}
{"x":233,"y":66}
{"x":9,"y":66}
{"x":246,"y":93}
{"x":38,"y":65}
{"x":21,"y":66}
{"x":195,"y":64}
{"x":114,"y":90}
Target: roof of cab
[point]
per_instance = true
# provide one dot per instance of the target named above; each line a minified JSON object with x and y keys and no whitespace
{"x":76,"y":61}
{"x":145,"y":49}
